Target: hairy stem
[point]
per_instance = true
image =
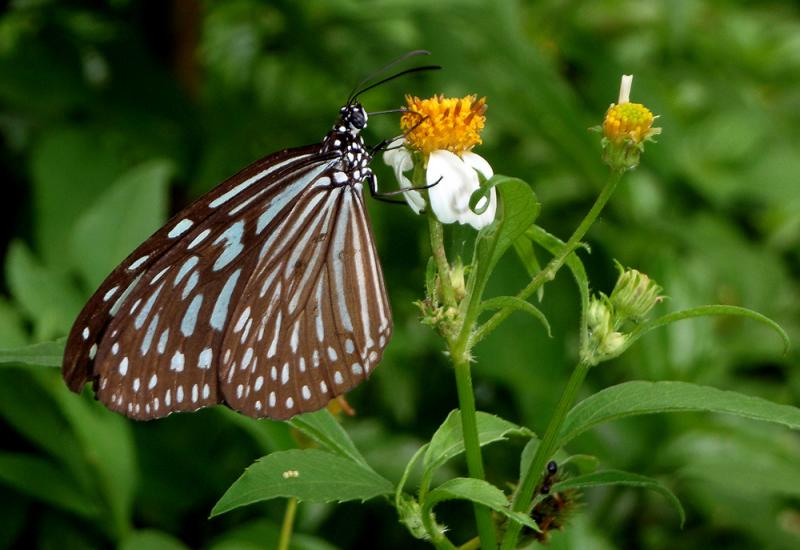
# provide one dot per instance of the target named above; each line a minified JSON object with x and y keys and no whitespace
{"x":547,"y":447}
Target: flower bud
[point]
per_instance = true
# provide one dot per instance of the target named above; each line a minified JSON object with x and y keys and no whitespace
{"x":634,"y":295}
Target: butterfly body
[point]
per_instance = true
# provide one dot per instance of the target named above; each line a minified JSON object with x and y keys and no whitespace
{"x":265,"y":294}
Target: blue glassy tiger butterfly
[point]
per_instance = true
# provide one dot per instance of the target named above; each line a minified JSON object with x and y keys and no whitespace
{"x":265,"y":294}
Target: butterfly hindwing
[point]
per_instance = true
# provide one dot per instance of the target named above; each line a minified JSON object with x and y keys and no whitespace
{"x":316,"y":319}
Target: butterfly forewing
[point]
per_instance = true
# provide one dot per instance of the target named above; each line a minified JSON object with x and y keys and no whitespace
{"x":222,"y":303}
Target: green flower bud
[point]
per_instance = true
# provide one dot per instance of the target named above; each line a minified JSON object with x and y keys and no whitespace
{"x":634,"y":295}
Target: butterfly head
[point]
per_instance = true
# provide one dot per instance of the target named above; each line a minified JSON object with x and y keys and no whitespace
{"x":353,"y":118}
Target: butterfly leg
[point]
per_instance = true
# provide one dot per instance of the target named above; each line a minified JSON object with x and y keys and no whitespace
{"x":372,"y":182}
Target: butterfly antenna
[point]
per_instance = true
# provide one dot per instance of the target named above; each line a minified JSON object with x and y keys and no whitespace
{"x":398,"y":75}
{"x":358,"y":90}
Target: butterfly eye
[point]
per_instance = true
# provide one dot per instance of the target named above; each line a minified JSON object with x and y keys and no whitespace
{"x":358,"y":119}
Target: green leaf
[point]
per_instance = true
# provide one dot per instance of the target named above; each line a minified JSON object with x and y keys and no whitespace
{"x":478,"y":491}
{"x":637,"y":398}
{"x":323,"y":428}
{"x":320,"y":477}
{"x":704,"y":311}
{"x":47,"y":429}
{"x":448,"y":440}
{"x":122,"y":217}
{"x":512,"y":302}
{"x":406,"y":473}
{"x":70,"y":167}
{"x":527,"y":256}
{"x":45,"y":354}
{"x":517,"y":210}
{"x":106,"y":440}
{"x":617,"y":477}
{"x":12,"y":329}
{"x":553,"y":245}
{"x":47,"y":298}
{"x":151,"y":539}
{"x":43,"y":480}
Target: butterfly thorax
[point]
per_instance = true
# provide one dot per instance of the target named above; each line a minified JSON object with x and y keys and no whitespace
{"x":344,"y":140}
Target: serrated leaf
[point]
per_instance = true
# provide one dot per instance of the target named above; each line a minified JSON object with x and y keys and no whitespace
{"x":122,"y":217}
{"x":637,"y":398}
{"x":323,"y":428}
{"x":618,"y":477}
{"x":479,"y":492}
{"x":310,"y":475}
{"x":45,"y":354}
{"x":448,"y":441}
{"x":43,"y":480}
{"x":518,"y":304}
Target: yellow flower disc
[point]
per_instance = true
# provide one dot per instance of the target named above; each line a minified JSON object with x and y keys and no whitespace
{"x":627,"y":120}
{"x":442,"y":122}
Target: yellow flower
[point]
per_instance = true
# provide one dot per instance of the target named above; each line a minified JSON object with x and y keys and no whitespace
{"x":440,"y":133}
{"x":627,"y":121}
{"x":444,"y":123}
{"x":625,"y":129}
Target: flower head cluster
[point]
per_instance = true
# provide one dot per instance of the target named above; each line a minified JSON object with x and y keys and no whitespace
{"x":634,"y":295}
{"x":625,"y":129}
{"x":440,"y":133}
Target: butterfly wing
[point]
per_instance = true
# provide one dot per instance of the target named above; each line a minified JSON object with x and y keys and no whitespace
{"x":150,"y":336}
{"x":316,"y":318}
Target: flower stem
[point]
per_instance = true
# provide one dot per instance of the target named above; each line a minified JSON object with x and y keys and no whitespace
{"x":549,"y":272}
{"x":288,"y":524}
{"x":472,"y":446}
{"x":547,"y":447}
{"x":442,"y":265}
{"x":459,"y":355}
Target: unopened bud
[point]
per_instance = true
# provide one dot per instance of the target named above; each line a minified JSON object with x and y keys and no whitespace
{"x":634,"y":295}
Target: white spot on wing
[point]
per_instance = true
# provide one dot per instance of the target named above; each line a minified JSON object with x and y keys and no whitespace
{"x":204,"y":360}
{"x":180,"y":228}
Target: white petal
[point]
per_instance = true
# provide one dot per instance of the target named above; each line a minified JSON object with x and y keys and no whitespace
{"x":399,"y":158}
{"x":478,"y":221}
{"x":413,"y":198}
{"x":456,"y":183}
{"x":397,"y":155}
{"x":478,"y":163}
{"x":625,"y":89}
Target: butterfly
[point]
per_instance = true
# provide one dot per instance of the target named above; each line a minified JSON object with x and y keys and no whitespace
{"x":265,"y":295}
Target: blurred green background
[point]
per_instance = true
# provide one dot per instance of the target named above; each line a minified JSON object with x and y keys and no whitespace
{"x":114,"y":114}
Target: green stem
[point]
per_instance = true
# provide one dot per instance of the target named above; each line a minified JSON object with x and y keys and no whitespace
{"x":288,"y":524}
{"x":547,"y":448}
{"x":440,"y":257}
{"x":472,"y":446}
{"x":549,"y":272}
{"x":459,"y":355}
